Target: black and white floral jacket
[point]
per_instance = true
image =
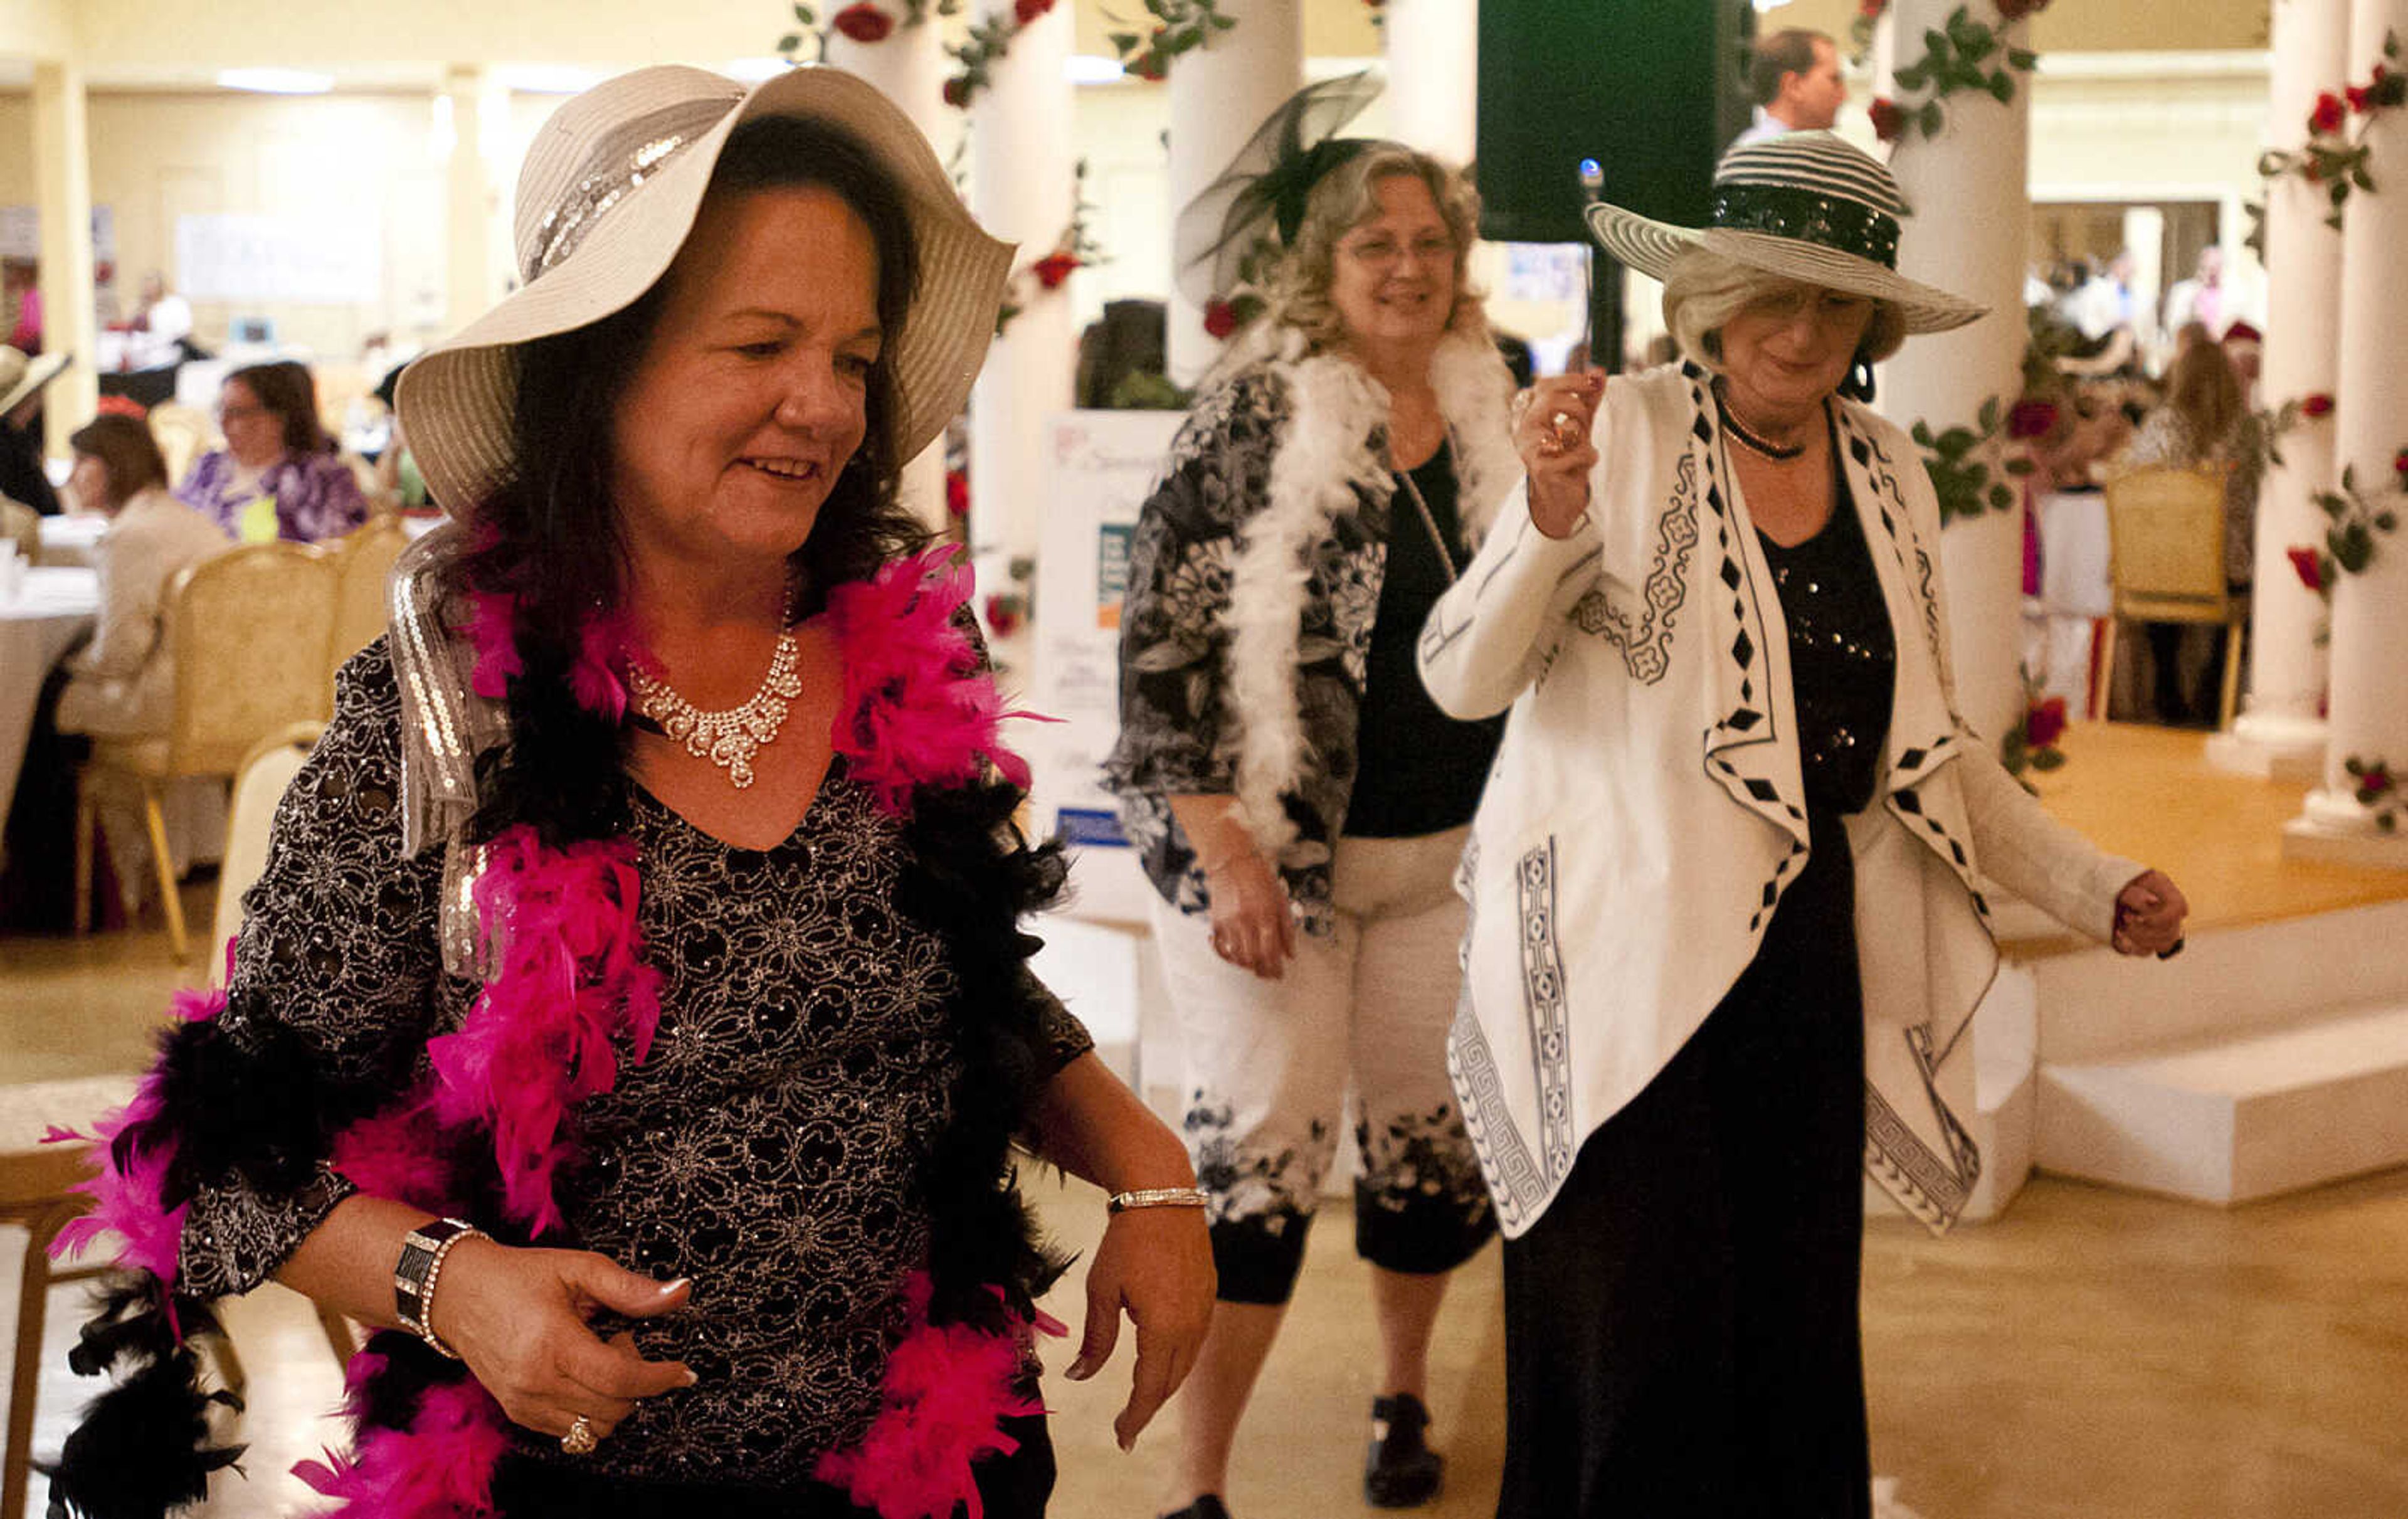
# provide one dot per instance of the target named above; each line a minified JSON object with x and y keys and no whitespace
{"x":1253,"y":580}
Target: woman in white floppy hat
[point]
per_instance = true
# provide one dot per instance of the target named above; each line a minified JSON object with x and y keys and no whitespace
{"x":1726,"y":878}
{"x":632,"y":1019}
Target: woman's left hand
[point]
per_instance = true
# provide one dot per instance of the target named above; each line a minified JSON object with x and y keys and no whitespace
{"x":1156,"y":1264}
{"x":2149,"y":913}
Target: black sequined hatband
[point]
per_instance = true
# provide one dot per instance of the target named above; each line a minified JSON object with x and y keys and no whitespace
{"x":1835,"y":221}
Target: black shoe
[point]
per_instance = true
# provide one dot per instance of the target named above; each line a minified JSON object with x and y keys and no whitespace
{"x":1207,"y":1507}
{"x":1400,"y":1470}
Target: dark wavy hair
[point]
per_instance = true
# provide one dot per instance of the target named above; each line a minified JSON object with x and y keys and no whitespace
{"x":550,"y":538}
{"x":286,"y":389}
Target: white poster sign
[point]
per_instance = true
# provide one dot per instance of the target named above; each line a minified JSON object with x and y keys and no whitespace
{"x":1100,"y":465}
{"x":307,"y":260}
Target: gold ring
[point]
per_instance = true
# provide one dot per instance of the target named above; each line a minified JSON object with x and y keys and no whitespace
{"x":581,"y":1438}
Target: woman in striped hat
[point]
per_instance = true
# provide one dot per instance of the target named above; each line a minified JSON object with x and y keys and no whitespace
{"x":1727,"y":923}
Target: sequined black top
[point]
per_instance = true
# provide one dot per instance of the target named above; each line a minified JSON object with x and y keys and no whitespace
{"x":768,"y":1145}
{"x":1843,"y":657}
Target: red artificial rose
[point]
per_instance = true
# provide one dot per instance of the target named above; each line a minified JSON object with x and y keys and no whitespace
{"x":2328,"y":116}
{"x":1026,"y":11}
{"x":1003,"y":614}
{"x":1054,"y":268}
{"x":2356,"y":97}
{"x":2309,"y":172}
{"x":2310,"y":569}
{"x":863,"y":21}
{"x":957,"y":91}
{"x":1888,"y":120}
{"x":2044,"y":723}
{"x":2032,"y":419}
{"x":1871,"y":9}
{"x":957,"y":493}
{"x":2399,"y":464}
{"x":2318,"y":405}
{"x":1220,"y":319}
{"x":2015,"y":11}
{"x":2374,"y":780}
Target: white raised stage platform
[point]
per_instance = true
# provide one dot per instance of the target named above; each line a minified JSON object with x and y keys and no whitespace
{"x":2268,"y":1056}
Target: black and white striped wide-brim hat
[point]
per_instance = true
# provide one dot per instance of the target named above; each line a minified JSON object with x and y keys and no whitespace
{"x":1807,"y":206}
{"x":609,"y":189}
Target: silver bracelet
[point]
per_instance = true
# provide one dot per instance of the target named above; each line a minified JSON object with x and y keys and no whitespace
{"x":1120,"y":1202}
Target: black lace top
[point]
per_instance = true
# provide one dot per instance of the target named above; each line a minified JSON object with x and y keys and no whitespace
{"x":1843,"y":658}
{"x":766,"y":1147}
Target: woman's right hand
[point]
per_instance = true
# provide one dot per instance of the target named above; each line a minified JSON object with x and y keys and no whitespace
{"x":1553,"y":438}
{"x":1252,"y":926}
{"x":519,"y":1317}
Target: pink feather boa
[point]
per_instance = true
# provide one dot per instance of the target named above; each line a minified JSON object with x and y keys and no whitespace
{"x":916,"y":707}
{"x":539,"y":1039}
{"x":440,"y":1468}
{"x":126,"y":1199}
{"x":947,"y":1388}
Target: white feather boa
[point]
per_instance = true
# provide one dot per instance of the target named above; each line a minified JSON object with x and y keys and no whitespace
{"x":1324,"y":458}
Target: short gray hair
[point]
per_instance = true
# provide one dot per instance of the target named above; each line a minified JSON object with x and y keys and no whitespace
{"x":1296,"y":292}
{"x":1703,"y":290}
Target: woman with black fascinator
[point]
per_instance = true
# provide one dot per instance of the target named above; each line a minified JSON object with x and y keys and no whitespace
{"x":1297,"y":801}
{"x":632,"y":1023}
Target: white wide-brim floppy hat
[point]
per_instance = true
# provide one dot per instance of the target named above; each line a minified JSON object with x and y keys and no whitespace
{"x":21,"y":376}
{"x":609,"y":189}
{"x":1806,"y":206}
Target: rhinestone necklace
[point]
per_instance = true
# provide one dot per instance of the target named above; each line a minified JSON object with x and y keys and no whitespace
{"x":729,"y":737}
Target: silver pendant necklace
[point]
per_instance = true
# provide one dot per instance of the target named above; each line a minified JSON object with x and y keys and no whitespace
{"x":731,"y":736}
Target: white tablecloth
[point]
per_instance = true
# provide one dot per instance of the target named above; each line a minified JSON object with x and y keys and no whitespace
{"x":51,"y":612}
{"x":2073,"y":592}
{"x":67,"y":541}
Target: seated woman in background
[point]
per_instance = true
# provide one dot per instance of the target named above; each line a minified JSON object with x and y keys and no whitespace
{"x":2202,"y":422}
{"x":277,"y":476}
{"x":123,"y":683}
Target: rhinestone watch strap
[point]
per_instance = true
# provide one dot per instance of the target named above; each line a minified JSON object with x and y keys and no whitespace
{"x":414,"y":1275}
{"x":1120,"y":1202}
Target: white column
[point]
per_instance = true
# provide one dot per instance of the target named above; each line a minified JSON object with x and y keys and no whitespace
{"x":908,"y":64}
{"x":1024,"y":187}
{"x":2280,"y":729}
{"x":1219,"y":93}
{"x":1966,"y":189}
{"x":1433,"y":48}
{"x":2370,"y":612}
{"x":476,"y":270}
{"x":63,"y":177}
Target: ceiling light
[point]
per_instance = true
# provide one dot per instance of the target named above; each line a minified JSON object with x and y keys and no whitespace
{"x":276,"y":81}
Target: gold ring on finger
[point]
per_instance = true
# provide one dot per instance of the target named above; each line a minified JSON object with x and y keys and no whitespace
{"x":581,"y":1438}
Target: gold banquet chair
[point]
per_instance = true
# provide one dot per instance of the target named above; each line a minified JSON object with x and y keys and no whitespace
{"x":363,"y":565}
{"x":183,"y":436}
{"x":249,"y":629}
{"x":2165,"y":532}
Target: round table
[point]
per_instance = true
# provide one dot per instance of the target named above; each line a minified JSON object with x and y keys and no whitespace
{"x":68,"y":541}
{"x":52,"y":609}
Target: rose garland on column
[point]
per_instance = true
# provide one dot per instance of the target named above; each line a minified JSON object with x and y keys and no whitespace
{"x":2336,"y":154}
{"x":2355,"y":518}
{"x":869,"y":21}
{"x":2375,"y":789}
{"x":1963,"y":56}
{"x":1173,"y":27}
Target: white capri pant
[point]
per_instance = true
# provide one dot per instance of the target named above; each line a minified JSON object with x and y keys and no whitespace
{"x":1267,"y":1066}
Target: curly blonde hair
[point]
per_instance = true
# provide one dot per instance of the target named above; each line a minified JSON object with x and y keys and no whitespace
{"x":1296,"y":292}
{"x":1703,"y":290}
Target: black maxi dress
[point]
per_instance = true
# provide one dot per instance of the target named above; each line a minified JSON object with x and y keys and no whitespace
{"x":1681,"y":1333}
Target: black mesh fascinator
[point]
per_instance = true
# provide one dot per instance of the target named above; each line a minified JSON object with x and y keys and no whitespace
{"x":1258,"y":202}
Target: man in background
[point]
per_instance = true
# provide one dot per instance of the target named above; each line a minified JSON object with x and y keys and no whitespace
{"x":1794,"y":78}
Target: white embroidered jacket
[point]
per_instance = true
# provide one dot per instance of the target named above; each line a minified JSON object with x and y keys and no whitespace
{"x":1646,"y":811}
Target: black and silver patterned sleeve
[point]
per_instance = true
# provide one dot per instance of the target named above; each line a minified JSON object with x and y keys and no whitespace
{"x":335,"y":989}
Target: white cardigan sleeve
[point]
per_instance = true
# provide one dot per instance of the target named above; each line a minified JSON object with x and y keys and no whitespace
{"x":1483,"y":642}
